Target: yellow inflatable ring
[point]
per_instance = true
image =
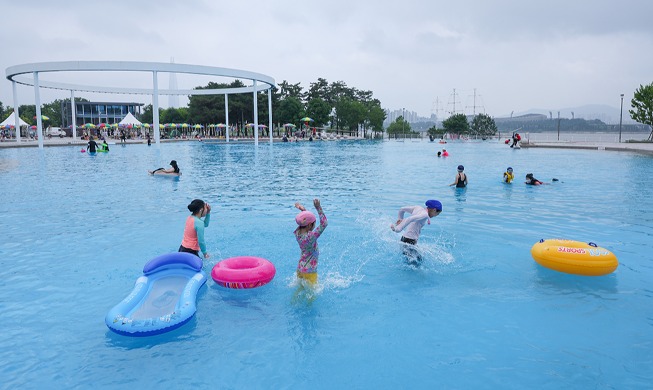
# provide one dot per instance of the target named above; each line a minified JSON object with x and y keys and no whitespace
{"x":574,"y":257}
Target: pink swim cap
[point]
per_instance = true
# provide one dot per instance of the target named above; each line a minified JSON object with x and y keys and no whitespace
{"x":305,"y":218}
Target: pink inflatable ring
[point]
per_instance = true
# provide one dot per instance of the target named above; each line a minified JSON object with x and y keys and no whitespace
{"x":243,"y":272}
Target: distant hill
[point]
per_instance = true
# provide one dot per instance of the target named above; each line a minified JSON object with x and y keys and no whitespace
{"x":602,"y":112}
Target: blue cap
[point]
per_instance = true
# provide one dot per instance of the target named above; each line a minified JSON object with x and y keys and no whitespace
{"x":461,"y":168}
{"x":434,"y":204}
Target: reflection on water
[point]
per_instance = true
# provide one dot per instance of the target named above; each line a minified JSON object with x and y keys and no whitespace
{"x":372,"y":316}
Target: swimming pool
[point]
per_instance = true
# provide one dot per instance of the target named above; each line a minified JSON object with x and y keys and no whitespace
{"x":478,"y":313}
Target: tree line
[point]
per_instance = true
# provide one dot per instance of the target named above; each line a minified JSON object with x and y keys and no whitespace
{"x":333,"y":105}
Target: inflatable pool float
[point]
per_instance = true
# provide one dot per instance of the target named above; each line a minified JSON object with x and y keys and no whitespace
{"x":163,"y":298}
{"x":243,"y":272}
{"x":574,"y":257}
{"x":164,"y":174}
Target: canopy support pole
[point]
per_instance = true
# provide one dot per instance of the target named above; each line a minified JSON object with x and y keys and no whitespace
{"x":73,"y":124}
{"x":226,"y":113}
{"x":16,"y":117}
{"x":37,"y":102}
{"x":270,"y":113}
{"x":255,"y":115}
{"x":155,"y":107}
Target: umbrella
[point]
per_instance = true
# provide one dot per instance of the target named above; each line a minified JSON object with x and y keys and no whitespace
{"x":306,"y":119}
{"x":198,"y":126}
{"x":147,"y":125}
{"x":220,"y":125}
{"x":184,"y":125}
{"x":33,"y":127}
{"x":102,"y":125}
{"x":161,"y":126}
{"x":45,"y":118}
{"x":289,"y":125}
{"x":89,"y":125}
{"x":172,"y":125}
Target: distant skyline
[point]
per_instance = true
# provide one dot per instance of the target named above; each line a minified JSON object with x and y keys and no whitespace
{"x":517,"y":56}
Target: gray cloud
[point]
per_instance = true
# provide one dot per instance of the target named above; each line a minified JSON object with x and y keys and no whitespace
{"x":518,"y":55}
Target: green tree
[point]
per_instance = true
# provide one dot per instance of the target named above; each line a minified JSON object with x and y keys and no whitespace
{"x":399,"y":126}
{"x":376,"y":115}
{"x":351,"y":113}
{"x":27,"y":113}
{"x":318,"y":109}
{"x":483,"y":126}
{"x":174,"y":115}
{"x":289,"y":110}
{"x":435,"y":132}
{"x":53,"y":111}
{"x":456,"y":124}
{"x":642,"y":103}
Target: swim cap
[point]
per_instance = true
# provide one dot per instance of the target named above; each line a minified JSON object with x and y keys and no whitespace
{"x":509,"y":169}
{"x":173,"y":162}
{"x":305,"y":218}
{"x":461,"y":168}
{"x":434,"y":204}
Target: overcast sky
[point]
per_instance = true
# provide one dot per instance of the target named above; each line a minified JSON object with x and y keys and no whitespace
{"x":516,"y":55}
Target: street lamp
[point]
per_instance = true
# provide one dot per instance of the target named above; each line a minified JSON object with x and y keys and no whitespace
{"x":621,"y":115}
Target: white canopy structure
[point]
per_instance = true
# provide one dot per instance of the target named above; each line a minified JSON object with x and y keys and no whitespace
{"x":11,"y":121}
{"x":130,"y":120}
{"x":28,"y":74}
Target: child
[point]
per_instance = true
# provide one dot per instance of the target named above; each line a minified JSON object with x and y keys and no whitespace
{"x":419,"y":216}
{"x":307,"y":240}
{"x":508,"y":176}
{"x":193,"y":240}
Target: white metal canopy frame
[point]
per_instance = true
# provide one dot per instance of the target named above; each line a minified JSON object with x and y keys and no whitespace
{"x":28,"y":74}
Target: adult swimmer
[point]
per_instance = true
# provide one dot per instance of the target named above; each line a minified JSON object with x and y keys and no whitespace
{"x":419,"y":217}
{"x":173,"y":170}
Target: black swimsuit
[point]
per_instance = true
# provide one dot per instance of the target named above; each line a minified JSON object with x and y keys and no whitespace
{"x":461,"y":183}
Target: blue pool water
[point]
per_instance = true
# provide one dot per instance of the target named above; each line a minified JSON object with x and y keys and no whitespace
{"x":478,"y":313}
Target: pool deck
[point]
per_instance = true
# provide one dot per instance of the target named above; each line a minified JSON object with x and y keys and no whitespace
{"x":637,"y":147}
{"x":67,"y":141}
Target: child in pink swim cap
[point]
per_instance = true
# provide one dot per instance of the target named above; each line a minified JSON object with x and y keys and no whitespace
{"x":307,"y":240}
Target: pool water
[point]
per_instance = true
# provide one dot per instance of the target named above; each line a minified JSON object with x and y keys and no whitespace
{"x":477,"y":313}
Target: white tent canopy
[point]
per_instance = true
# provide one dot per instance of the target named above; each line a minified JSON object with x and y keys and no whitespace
{"x":130,"y":120}
{"x":11,"y":121}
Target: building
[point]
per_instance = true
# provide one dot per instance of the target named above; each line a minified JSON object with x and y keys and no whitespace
{"x":97,"y":112}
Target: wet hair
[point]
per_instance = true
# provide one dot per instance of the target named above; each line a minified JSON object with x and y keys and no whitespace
{"x":196,"y":205}
{"x":174,"y":165}
{"x":529,"y":175}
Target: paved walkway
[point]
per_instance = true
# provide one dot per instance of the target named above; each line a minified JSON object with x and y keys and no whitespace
{"x":638,"y":147}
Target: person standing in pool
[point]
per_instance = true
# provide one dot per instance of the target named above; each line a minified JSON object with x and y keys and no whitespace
{"x":174,"y":169}
{"x":193,"y":240}
{"x":91,"y":147}
{"x":461,"y":178}
{"x":419,"y":216}
{"x":307,"y":239}
{"x":508,"y":176}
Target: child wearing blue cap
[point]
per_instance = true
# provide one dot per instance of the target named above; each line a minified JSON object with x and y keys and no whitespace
{"x":419,"y":216}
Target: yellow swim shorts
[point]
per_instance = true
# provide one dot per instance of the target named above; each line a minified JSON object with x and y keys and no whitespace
{"x":310,"y":277}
